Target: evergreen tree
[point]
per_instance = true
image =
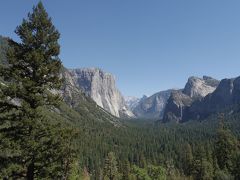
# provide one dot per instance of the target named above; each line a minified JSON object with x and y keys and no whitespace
{"x":202,"y":169}
{"x":225,"y":147}
{"x":126,"y":170}
{"x":142,"y":161}
{"x":236,"y":170}
{"x":110,"y":167}
{"x":140,"y":173}
{"x":157,"y":172}
{"x":187,"y":159}
{"x":31,"y":145}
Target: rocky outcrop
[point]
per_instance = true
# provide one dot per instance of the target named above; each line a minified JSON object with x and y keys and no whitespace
{"x":197,"y":88}
{"x":179,"y":102}
{"x":70,"y":91}
{"x":100,"y":86}
{"x":176,"y":105}
{"x":227,"y":95}
{"x":152,"y":107}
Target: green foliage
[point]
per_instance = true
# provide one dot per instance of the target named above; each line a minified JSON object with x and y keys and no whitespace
{"x":225,"y":148}
{"x":149,"y":173}
{"x":126,"y":170}
{"x":140,"y":173}
{"x":173,"y":147}
{"x":3,"y":49}
{"x":223,"y":175}
{"x":157,"y":172}
{"x":187,"y":159}
{"x":110,"y":168}
{"x":202,"y":168}
{"x":32,"y":146}
{"x":236,"y":169}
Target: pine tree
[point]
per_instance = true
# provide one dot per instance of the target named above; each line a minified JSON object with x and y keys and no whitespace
{"x":32,"y":146}
{"x":110,"y":167}
{"x":225,"y":147}
{"x":142,"y":161}
{"x":141,"y":173}
{"x":187,"y":159}
{"x":126,"y":170}
{"x":202,"y":169}
{"x":236,"y":170}
{"x":157,"y":172}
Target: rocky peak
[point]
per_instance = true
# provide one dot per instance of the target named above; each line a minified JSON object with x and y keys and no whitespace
{"x":194,"y":90}
{"x":101,"y":87}
{"x":227,"y":95}
{"x":200,"y":87}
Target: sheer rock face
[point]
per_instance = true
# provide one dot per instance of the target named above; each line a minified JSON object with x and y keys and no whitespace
{"x":198,"y":88}
{"x":70,"y":90}
{"x":179,"y":102}
{"x":226,"y":96}
{"x":152,"y":107}
{"x":100,"y":86}
{"x":176,"y":105}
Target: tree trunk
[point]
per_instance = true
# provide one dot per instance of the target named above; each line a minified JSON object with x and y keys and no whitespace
{"x":30,"y":171}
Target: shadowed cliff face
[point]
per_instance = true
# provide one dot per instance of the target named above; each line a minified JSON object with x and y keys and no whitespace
{"x":100,"y":86}
{"x":226,"y":95}
{"x":180,"y":101}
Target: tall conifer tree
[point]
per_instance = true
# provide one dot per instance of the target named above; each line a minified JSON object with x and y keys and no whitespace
{"x":31,"y":146}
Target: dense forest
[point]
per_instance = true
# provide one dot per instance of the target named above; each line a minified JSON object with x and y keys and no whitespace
{"x":42,"y":137}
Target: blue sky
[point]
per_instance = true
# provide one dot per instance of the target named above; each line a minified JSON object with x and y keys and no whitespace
{"x":149,"y":45}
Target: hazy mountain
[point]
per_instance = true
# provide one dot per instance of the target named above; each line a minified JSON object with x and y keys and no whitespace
{"x":131,"y":101}
{"x":153,"y":106}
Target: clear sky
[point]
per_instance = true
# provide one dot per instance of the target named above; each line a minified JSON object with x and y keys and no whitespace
{"x":149,"y":45}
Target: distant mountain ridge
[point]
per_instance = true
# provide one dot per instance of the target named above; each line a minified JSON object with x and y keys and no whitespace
{"x":131,"y":101}
{"x":94,"y":91}
{"x":152,"y":107}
